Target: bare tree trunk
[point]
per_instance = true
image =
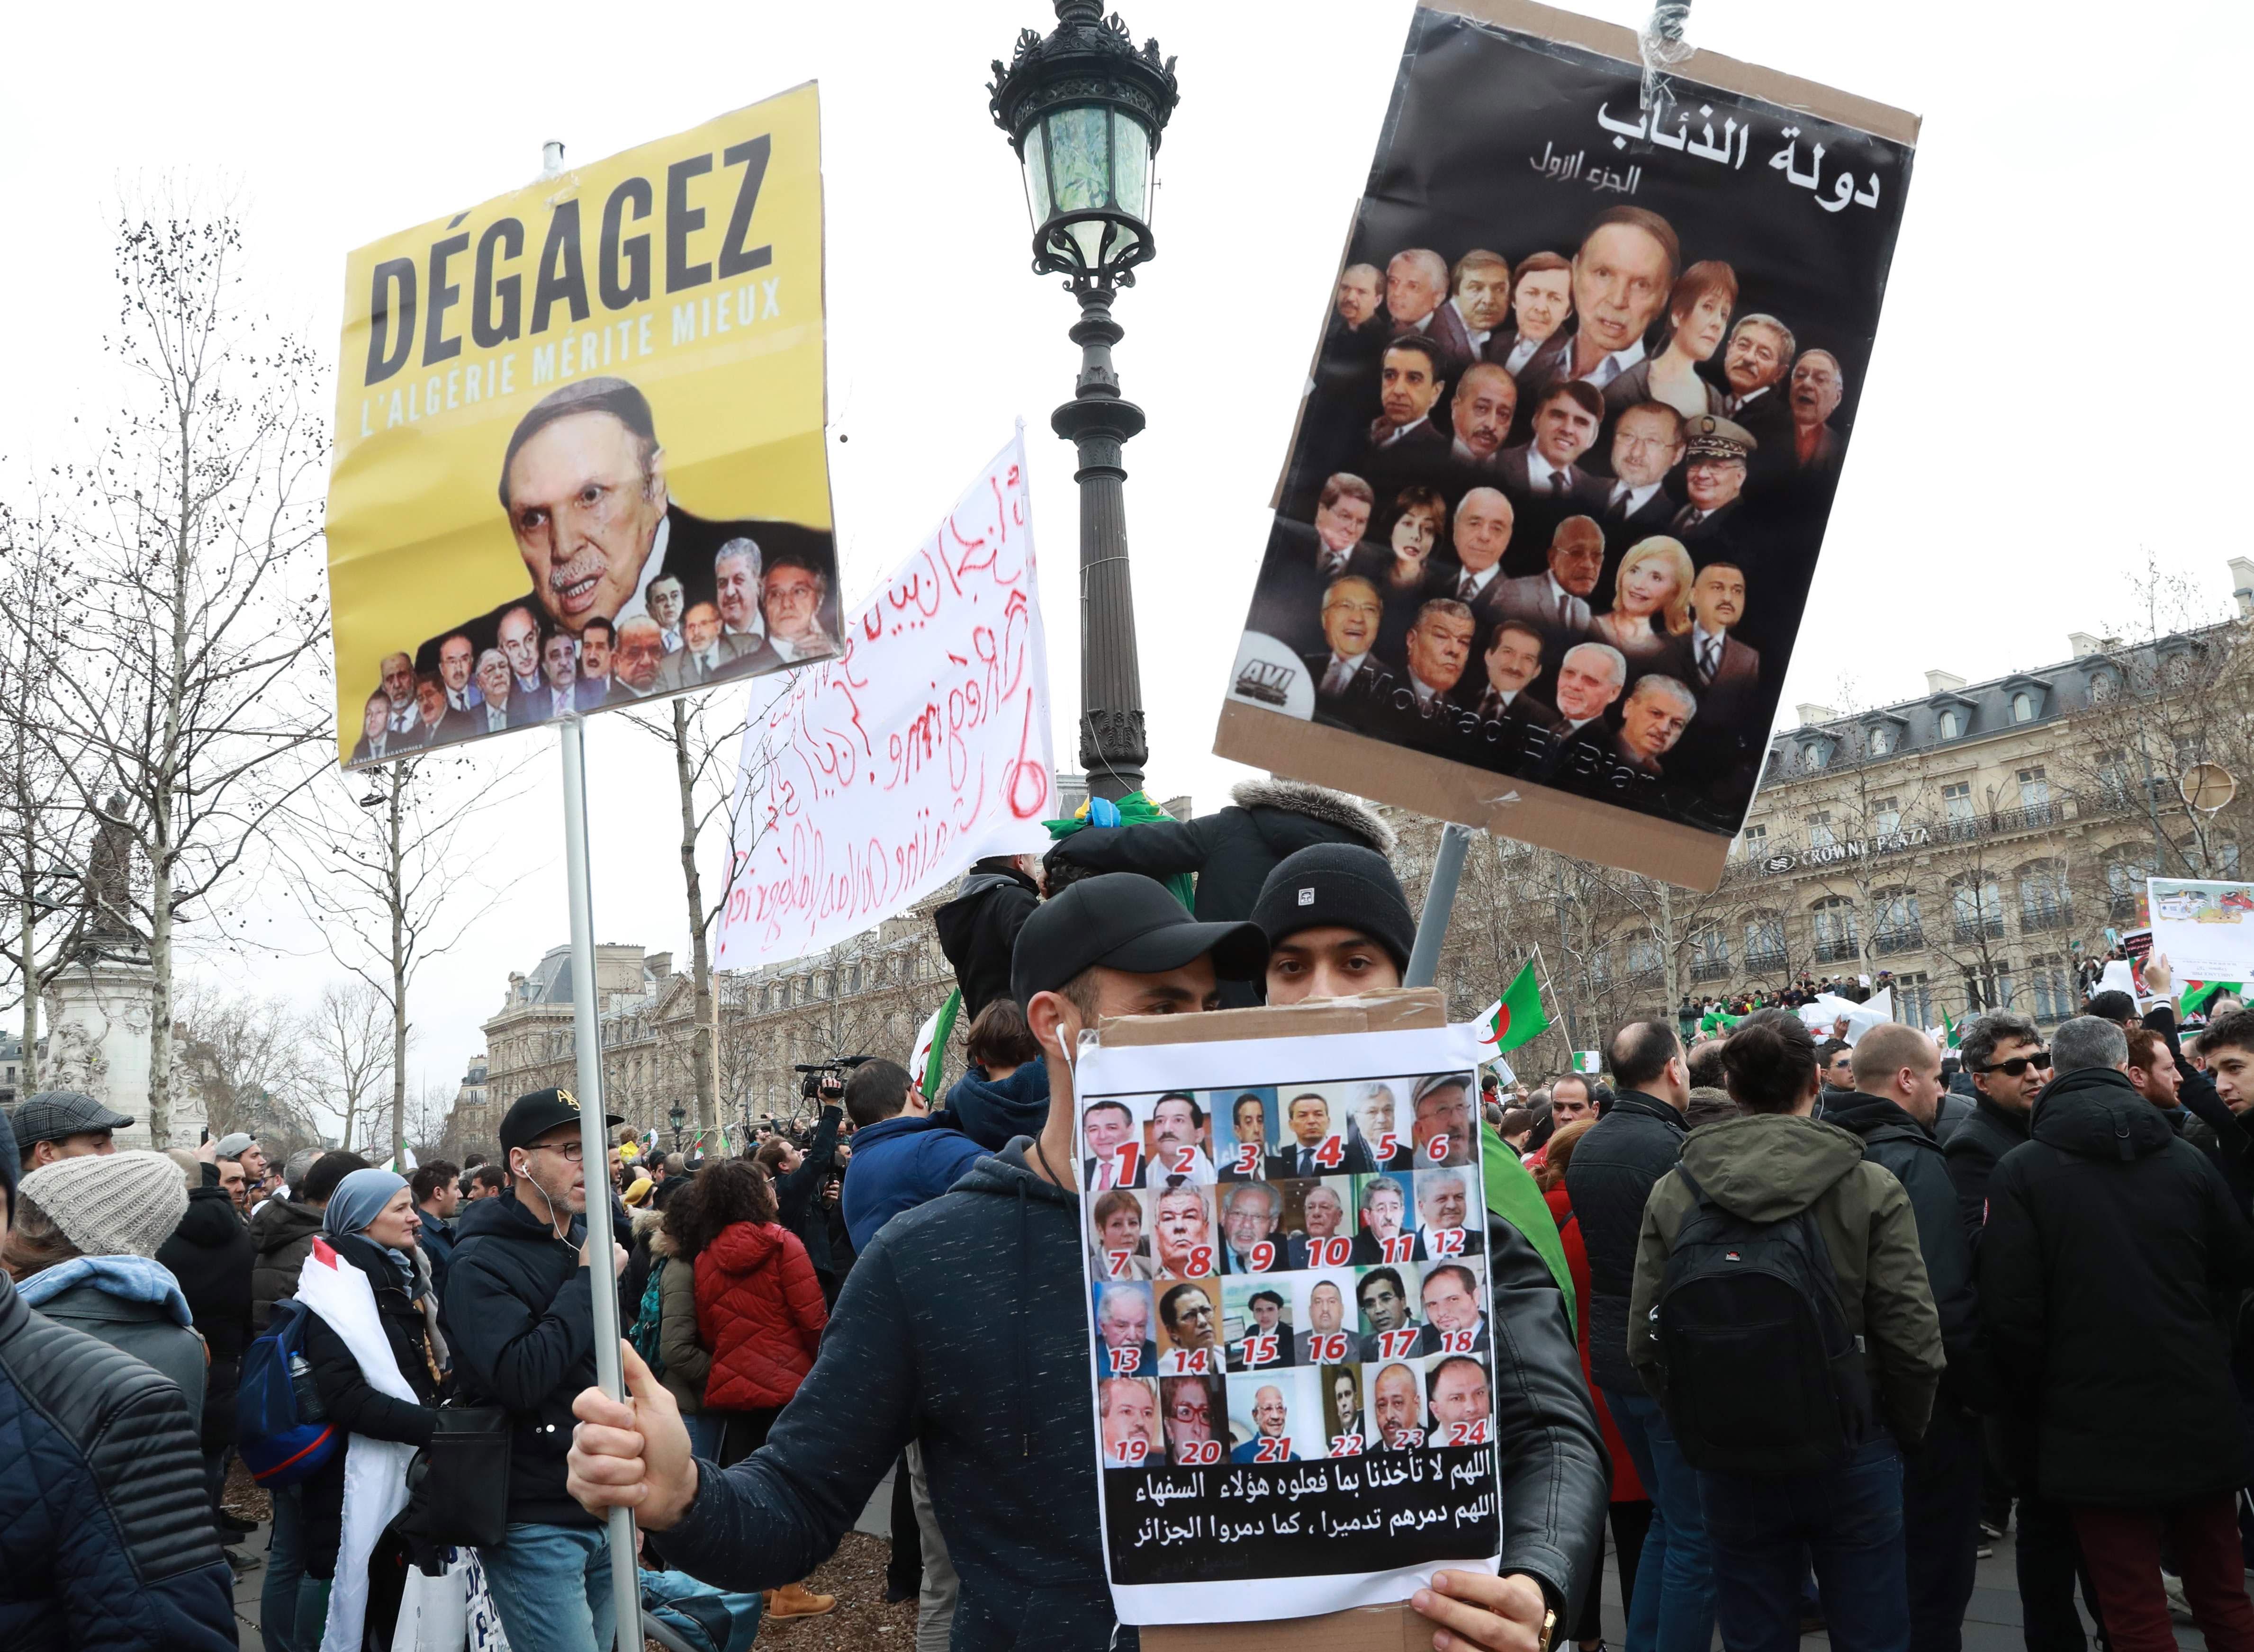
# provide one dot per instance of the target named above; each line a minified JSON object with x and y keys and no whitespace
{"x":27,"y":921}
{"x":160,"y":1000}
{"x":397,"y":776}
{"x":706,"y":1039}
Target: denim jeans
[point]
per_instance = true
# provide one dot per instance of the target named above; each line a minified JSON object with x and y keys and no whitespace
{"x":704,"y":1429}
{"x":285,"y":1564}
{"x":1848,"y":1519}
{"x":1673,"y":1606}
{"x":551,"y":1586}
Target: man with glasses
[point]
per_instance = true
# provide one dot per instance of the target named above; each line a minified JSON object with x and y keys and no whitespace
{"x":2009,"y":1067}
{"x":520,"y":1313}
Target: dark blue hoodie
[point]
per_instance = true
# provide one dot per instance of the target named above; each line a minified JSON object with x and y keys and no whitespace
{"x":995,"y":1112}
{"x":963,"y":1327}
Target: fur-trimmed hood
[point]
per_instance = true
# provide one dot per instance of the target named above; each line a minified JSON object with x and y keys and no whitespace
{"x":1317,"y":802}
{"x":650,"y":1224}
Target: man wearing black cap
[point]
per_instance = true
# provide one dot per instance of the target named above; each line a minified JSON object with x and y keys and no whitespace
{"x":583,"y":482}
{"x":520,"y":1313}
{"x":961,"y":1327}
{"x":1337,"y":925}
{"x":63,"y":1125}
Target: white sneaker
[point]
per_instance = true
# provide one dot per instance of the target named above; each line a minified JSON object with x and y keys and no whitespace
{"x":2179,"y":1608}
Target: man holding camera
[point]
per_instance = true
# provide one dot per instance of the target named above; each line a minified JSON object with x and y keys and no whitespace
{"x":519,"y":1311}
{"x":800,"y":1177}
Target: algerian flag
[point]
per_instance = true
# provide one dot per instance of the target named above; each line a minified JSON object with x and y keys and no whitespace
{"x":1949,"y":1027}
{"x":1516,"y":1016}
{"x":2197,"y":1000}
{"x":931,"y":1043}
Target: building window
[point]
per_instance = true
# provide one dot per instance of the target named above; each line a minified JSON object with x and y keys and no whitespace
{"x":1882,"y":740}
{"x":2023,"y":707}
{"x":1886,"y":814}
{"x":1835,"y":938}
{"x":2177,"y":672}
{"x":2054,"y":987}
{"x":1600,"y":967}
{"x":853,"y":979}
{"x":1901,"y":926}
{"x":2113,"y":777}
{"x":1643,"y":961}
{"x":1952,"y":723}
{"x":1976,"y":904}
{"x":1709,"y":953}
{"x":1957,"y":799}
{"x":1988,"y":987}
{"x":1765,"y":941}
{"x":2104,"y":687}
{"x":1814,"y":754}
{"x":1819,"y":829}
{"x":1753,"y":841}
{"x":2034,"y":788}
{"x":1914,"y":999}
{"x":2126,"y":866}
{"x":2226,"y":865}
{"x":2043,"y":903}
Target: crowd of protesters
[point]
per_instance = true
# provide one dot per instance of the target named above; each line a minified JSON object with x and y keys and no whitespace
{"x":1803,"y":1324}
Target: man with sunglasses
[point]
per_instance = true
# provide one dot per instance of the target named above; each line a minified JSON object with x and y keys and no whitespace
{"x":520,"y":1313}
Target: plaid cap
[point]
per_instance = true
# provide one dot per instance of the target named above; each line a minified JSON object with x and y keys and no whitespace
{"x":52,"y":1115}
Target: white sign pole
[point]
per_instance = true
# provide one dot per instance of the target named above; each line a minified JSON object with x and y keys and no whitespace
{"x":587,"y":1028}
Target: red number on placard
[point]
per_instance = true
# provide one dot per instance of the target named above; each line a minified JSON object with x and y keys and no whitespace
{"x":1273,"y":1451}
{"x":1125,"y":1162}
{"x":1122,"y":1262}
{"x":1446,"y":1242}
{"x":1457,"y":1342}
{"x":1398,"y":1344}
{"x":1330,"y":1349}
{"x":1184,"y":1160}
{"x":1408,"y":1438}
{"x":1388,"y":1144}
{"x":1188,"y":1363}
{"x":1248,"y":1159}
{"x":1331,"y":1154}
{"x":1346,"y":1444}
{"x":1128,"y":1453}
{"x":1400,"y":1248}
{"x":1200,"y":1260}
{"x":1259,"y":1350}
{"x":1125,"y":1361}
{"x":1470,"y":1433}
{"x":1436,"y":1149}
{"x":1263,"y":1257}
{"x":1194,"y":1453}
{"x":1333,"y":1253}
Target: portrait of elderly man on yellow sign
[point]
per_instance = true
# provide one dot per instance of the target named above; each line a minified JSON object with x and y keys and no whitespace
{"x":582,"y":484}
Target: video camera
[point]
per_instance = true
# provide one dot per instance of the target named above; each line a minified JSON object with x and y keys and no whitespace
{"x":810,"y":1087}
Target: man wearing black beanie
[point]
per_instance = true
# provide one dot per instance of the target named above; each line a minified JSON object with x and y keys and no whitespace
{"x":1336,"y":921}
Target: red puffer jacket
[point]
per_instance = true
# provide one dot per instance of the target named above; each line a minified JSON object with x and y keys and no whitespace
{"x":760,"y":1309}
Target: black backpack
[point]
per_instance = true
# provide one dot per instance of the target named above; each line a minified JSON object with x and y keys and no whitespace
{"x":1764,"y":1378}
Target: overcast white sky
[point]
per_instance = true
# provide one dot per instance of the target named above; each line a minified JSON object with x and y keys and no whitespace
{"x":2064,"y":192}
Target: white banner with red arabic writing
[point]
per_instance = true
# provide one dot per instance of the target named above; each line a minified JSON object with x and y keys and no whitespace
{"x":882,"y":775}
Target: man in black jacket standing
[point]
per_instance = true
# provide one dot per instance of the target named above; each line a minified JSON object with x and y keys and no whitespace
{"x":1638,"y":1141}
{"x":978,"y":928}
{"x":799,"y":1175}
{"x":2108,"y":1241}
{"x":1895,"y":1099}
{"x":211,"y":1255}
{"x":2008,"y":1066}
{"x":520,"y":1310}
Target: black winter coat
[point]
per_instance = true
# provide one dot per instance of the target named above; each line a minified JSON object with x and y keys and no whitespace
{"x":353,"y":1404}
{"x":1638,"y":1140}
{"x":283,"y":1234}
{"x":795,"y":1205}
{"x":1231,"y":851}
{"x":522,"y":1315}
{"x":1895,"y":1141}
{"x":211,"y":1253}
{"x":2225,"y":1139}
{"x":2111,"y":1245}
{"x":978,"y":932}
{"x":1973,"y":1150}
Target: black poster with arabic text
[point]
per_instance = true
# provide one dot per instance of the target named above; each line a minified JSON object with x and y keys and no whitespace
{"x":1586,"y":381}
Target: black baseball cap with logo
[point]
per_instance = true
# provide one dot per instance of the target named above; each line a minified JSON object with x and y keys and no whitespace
{"x":532,"y":1117}
{"x":1124,"y":920}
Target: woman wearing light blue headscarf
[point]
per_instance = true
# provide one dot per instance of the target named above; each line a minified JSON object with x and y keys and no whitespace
{"x":370,"y":1224}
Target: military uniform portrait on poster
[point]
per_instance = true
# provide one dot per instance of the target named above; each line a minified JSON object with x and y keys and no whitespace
{"x":580,"y":459}
{"x":1569,"y":443}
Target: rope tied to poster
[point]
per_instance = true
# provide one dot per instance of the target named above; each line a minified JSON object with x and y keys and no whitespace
{"x":1661,"y":45}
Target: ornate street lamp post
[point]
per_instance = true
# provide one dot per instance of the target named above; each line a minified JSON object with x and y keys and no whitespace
{"x":1084,"y":110}
{"x":677,"y":1117}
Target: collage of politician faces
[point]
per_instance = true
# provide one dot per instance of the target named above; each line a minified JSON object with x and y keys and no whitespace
{"x":1279,"y":1273}
{"x":1554,"y":515}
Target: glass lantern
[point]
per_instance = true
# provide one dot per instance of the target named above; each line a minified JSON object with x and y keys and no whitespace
{"x":1088,"y":186}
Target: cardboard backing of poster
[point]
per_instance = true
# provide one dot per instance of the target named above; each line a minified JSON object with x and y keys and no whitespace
{"x":1585,"y":383}
{"x":1312,"y":1451}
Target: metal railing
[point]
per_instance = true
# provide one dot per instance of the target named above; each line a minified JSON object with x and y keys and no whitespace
{"x":1890,"y":941}
{"x":1967,"y":930}
{"x":1839,"y":951}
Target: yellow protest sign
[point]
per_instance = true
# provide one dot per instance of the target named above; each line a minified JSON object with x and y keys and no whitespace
{"x":579,"y":452}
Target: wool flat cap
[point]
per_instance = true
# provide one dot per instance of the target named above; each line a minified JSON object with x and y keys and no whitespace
{"x":52,"y":1115}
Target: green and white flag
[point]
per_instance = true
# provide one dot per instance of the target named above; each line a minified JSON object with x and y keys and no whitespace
{"x":931,"y":1045}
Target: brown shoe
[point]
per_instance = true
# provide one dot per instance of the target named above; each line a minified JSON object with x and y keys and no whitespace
{"x":791,"y":1600}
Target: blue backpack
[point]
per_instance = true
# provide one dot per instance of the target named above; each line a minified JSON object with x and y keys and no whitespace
{"x":283,"y":1437}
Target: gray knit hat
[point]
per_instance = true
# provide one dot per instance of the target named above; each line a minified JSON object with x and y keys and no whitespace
{"x":111,"y":1204}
